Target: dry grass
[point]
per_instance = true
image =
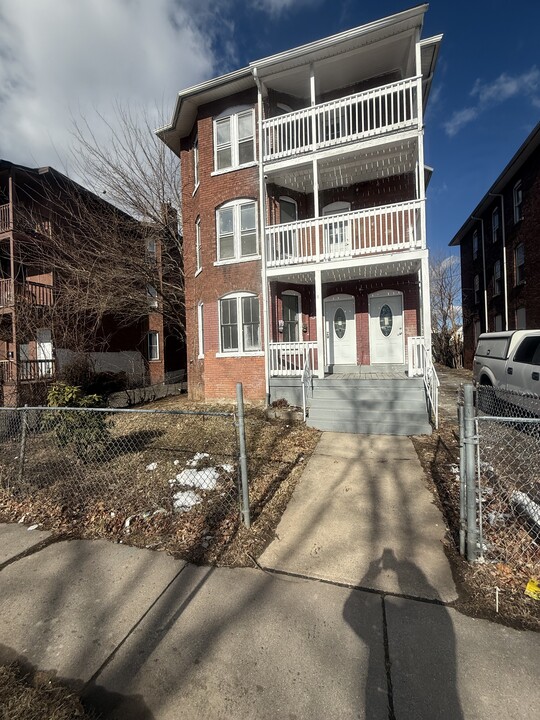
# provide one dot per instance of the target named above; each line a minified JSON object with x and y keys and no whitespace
{"x":36,"y":696}
{"x":113,"y":495}
{"x":478,"y":583}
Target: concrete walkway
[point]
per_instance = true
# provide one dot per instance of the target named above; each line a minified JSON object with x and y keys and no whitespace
{"x":144,"y":636}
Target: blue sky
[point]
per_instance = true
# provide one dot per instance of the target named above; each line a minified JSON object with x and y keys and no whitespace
{"x":60,"y":58}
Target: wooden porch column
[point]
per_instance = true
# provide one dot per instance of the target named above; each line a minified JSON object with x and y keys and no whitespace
{"x":320,"y":323}
{"x":426,"y":302}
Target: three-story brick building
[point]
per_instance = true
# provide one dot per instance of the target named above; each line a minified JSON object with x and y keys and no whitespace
{"x":303,"y":187}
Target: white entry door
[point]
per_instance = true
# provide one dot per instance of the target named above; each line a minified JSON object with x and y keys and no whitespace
{"x":386,"y":340}
{"x":340,"y":325}
{"x":44,"y":352}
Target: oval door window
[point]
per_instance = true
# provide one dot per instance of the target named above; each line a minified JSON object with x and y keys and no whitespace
{"x":340,"y":323}
{"x":386,"y":320}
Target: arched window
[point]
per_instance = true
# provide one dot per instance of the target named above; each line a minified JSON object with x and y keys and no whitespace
{"x":239,"y":323}
{"x":236,"y":229}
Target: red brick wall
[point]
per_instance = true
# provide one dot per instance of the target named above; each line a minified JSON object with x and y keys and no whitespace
{"x":213,"y":377}
{"x":526,"y":231}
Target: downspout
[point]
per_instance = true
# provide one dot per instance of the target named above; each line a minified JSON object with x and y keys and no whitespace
{"x":481,"y":220}
{"x":505,"y":285}
{"x":262,"y":223}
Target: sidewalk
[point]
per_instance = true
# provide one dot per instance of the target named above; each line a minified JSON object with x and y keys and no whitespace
{"x":145,"y":636}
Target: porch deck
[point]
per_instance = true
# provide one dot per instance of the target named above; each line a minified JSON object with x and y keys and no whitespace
{"x":368,"y":372}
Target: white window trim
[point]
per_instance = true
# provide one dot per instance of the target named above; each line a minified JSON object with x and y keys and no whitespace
{"x":290,"y":200}
{"x":155,"y":359}
{"x":518,"y":186}
{"x":223,"y":171}
{"x":152,"y":295}
{"x":237,"y":232}
{"x":235,"y":163}
{"x":198,"y":247}
{"x":196,"y":177}
{"x":200,"y":329}
{"x":299,"y":315}
{"x":240,"y":352}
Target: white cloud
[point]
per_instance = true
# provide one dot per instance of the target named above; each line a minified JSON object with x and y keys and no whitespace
{"x":276,"y":7}
{"x":494,"y":93}
{"x":60,"y":58}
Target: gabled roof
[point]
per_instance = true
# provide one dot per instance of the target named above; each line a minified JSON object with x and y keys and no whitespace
{"x":531,"y":143}
{"x":189,"y":100}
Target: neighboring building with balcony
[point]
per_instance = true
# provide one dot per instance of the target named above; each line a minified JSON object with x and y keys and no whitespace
{"x":303,"y":186}
{"x":30,"y":349}
{"x":500,"y":253}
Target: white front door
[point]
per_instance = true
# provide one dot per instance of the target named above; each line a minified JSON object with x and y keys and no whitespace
{"x":44,"y":351}
{"x":340,"y":324}
{"x":386,"y":340}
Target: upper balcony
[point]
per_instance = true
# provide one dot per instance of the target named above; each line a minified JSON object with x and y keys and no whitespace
{"x":5,"y":217}
{"x":370,"y":114}
{"x":369,"y":233}
{"x":33,"y":293}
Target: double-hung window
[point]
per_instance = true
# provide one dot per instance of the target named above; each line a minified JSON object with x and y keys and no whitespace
{"x":200,"y":323}
{"x":234,"y":140}
{"x":519,"y":259}
{"x":476,"y":285}
{"x":236,"y":230}
{"x":497,"y":278}
{"x":153,"y":346}
{"x":196,"y":164}
{"x":239,"y":318}
{"x":475,"y":244}
{"x":198,"y":245}
{"x":518,"y":202}
{"x":495,"y":225}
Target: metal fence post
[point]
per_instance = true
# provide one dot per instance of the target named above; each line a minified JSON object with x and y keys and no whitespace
{"x":462,"y":485}
{"x":22,"y":452}
{"x":469,"y":441}
{"x":243,"y":458}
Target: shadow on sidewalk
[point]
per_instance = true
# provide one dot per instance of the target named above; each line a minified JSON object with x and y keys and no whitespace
{"x":419,"y":649}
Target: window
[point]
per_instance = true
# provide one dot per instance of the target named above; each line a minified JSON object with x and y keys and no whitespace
{"x":498,"y":323}
{"x":239,"y":323}
{"x":528,"y":351}
{"x":477,"y":330}
{"x":151,"y":251}
{"x":476,"y":289}
{"x":336,"y":232}
{"x":198,"y":244}
{"x":200,"y":323}
{"x":475,"y":244}
{"x":518,"y":202}
{"x":519,"y":259}
{"x":234,"y":140}
{"x":153,"y":346}
{"x":521,"y":319}
{"x":152,"y":295}
{"x":237,"y":230}
{"x":196,"y":163}
{"x":292,"y":316}
{"x":495,"y":225}
{"x":497,"y":278}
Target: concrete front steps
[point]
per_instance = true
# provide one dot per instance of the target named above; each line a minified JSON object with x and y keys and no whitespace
{"x":370,"y":406}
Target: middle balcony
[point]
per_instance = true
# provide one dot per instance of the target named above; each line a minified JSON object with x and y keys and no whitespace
{"x":382,"y":229}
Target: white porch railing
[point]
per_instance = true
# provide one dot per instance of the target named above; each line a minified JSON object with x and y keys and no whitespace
{"x":290,"y":358}
{"x":421,"y":364}
{"x":384,"y":109}
{"x":5,"y":217}
{"x":386,"y":228}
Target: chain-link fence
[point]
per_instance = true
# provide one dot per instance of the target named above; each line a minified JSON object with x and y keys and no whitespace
{"x":124,"y":467}
{"x":500,"y":469}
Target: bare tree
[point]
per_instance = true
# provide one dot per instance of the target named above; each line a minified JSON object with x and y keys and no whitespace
{"x":114,"y":245}
{"x":446,"y":313}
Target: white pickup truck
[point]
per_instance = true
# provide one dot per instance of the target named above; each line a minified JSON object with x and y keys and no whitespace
{"x":509,"y":360}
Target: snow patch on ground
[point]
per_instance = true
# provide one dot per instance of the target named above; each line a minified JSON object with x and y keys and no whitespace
{"x":185,"y":500}
{"x":151,"y":467}
{"x":205,"y":479}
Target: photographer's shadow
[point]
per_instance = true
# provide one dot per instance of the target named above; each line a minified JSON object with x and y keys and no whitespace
{"x":414,"y":675}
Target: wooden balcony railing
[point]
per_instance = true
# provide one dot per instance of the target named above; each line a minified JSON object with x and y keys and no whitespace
{"x":289,"y":358}
{"x":387,"y":228}
{"x":26,"y":292}
{"x":389,"y":108}
{"x":5,"y":217}
{"x":32,"y":370}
